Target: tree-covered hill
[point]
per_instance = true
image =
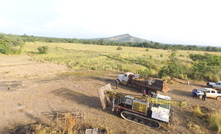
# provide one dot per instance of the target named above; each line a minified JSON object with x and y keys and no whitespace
{"x":124,"y":38}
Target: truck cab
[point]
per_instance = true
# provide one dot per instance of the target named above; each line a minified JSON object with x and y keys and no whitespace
{"x":125,"y":77}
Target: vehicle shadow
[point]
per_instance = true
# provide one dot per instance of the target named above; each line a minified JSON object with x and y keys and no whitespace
{"x":198,"y":85}
{"x":181,"y":93}
{"x":90,"y":101}
{"x":113,"y":84}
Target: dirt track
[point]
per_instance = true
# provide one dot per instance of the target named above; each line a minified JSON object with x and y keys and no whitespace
{"x":33,"y":92}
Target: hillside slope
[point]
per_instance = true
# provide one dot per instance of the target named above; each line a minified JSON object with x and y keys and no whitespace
{"x":125,"y":38}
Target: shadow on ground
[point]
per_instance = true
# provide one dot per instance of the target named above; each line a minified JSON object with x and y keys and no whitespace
{"x":32,"y":117}
{"x":113,"y":84}
{"x":8,"y":85}
{"x":181,"y":93}
{"x":80,"y":98}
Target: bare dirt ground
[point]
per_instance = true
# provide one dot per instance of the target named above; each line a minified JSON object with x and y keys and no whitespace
{"x":33,"y":92}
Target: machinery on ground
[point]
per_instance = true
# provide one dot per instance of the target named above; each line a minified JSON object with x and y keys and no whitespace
{"x":150,"y":85}
{"x":144,"y":110}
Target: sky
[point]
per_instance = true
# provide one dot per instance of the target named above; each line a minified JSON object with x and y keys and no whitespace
{"x":188,"y":22}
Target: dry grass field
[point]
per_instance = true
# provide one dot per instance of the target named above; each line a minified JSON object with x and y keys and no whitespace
{"x":107,"y":58}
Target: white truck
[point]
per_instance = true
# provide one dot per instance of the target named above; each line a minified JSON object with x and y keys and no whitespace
{"x":216,"y":85}
{"x":211,"y":93}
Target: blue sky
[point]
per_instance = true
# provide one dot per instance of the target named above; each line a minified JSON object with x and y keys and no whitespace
{"x":191,"y":22}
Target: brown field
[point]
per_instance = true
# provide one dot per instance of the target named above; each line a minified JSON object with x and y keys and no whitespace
{"x":33,"y":91}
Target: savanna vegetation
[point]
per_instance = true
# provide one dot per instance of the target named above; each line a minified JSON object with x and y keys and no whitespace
{"x":154,"y":62}
{"x":151,"y":44}
{"x":148,"y":61}
{"x":151,"y":59}
{"x":212,"y":118}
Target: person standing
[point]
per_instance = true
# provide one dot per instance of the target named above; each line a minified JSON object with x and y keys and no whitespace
{"x":144,"y":92}
{"x":204,"y":96}
{"x":194,"y":93}
{"x":117,"y":81}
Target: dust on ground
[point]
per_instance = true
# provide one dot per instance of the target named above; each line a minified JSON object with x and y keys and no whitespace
{"x":33,"y":92}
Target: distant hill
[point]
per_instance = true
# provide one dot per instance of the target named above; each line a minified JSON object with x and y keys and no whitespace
{"x":125,"y":38}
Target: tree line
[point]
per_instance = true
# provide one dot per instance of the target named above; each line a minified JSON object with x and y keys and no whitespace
{"x":8,"y":40}
{"x":151,"y":44}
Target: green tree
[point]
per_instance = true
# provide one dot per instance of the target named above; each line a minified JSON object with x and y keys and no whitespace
{"x":10,"y":44}
{"x":174,"y":69}
{"x":171,"y":70}
{"x":199,"y":69}
{"x":101,"y":42}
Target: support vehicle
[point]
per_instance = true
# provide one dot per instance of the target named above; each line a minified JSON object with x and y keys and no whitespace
{"x":150,"y":85}
{"x":216,"y":85}
{"x":210,"y":93}
{"x":144,"y":110}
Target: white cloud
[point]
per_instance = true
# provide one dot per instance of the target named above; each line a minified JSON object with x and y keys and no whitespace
{"x":4,"y":22}
{"x":30,"y":20}
{"x":170,"y":21}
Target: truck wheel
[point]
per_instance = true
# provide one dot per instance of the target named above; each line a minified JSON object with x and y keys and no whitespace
{"x":150,"y":92}
{"x":117,"y":81}
{"x":171,"y":116}
{"x":218,"y":98}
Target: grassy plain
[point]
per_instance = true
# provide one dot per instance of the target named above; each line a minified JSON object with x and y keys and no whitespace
{"x":107,"y":58}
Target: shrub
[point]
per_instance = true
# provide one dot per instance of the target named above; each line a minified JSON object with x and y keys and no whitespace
{"x":216,"y":78}
{"x":183,"y":76}
{"x":198,"y":112}
{"x":119,"y":48}
{"x":10,"y":45}
{"x":215,"y":121}
{"x":150,"y":56}
{"x":43,"y":49}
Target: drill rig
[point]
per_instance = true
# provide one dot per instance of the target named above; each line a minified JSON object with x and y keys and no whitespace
{"x":144,"y":110}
